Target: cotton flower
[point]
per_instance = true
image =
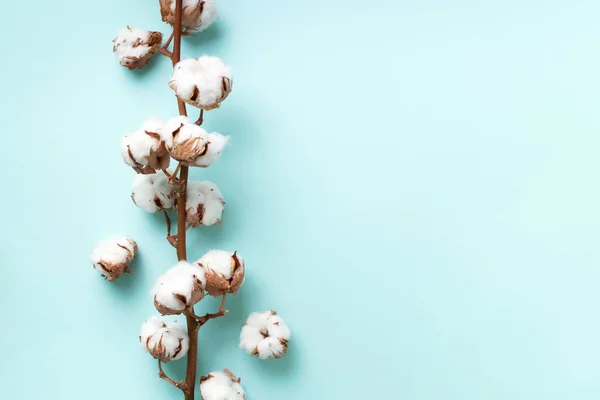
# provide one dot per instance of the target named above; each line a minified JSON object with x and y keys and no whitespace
{"x":152,"y":193}
{"x":221,"y":385}
{"x":204,"y":204}
{"x":224,"y":272}
{"x":164,"y":340}
{"x":204,"y":82}
{"x":111,"y":257}
{"x":144,"y":150}
{"x":190,"y":144}
{"x":265,"y":334}
{"x":134,"y":47}
{"x":179,"y":288}
{"x":197,"y":14}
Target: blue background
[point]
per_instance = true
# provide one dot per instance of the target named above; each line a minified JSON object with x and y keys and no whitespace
{"x":414,"y":187}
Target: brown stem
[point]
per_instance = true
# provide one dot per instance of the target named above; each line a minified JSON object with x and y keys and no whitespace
{"x":166,"y":52}
{"x":168,"y":42}
{"x":200,"y":118}
{"x":173,"y":176}
{"x":168,"y":220}
{"x":192,"y":324}
{"x":162,"y":375}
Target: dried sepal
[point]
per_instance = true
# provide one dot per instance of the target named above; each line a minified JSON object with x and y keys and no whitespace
{"x":111,"y":257}
{"x":179,"y":288}
{"x":134,"y":47}
{"x":265,"y":335}
{"x":197,"y":15}
{"x":224,"y":272}
{"x":203,"y":82}
{"x":164,"y":340}
{"x":144,"y":149}
{"x":219,"y":385}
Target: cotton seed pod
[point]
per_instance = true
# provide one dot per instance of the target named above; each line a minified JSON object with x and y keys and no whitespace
{"x":221,"y":385}
{"x":204,"y":82}
{"x":134,"y":47}
{"x":111,"y":257}
{"x":265,"y":334}
{"x":197,"y":15}
{"x":190,"y":144}
{"x":204,"y":204}
{"x":144,"y":150}
{"x":153,"y":193}
{"x":164,"y":340}
{"x":179,"y":288}
{"x":224,"y":272}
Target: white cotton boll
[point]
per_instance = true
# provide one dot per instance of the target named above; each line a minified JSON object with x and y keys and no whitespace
{"x":134,"y":47}
{"x":152,"y":193}
{"x":144,"y":150}
{"x":164,"y":340}
{"x":204,"y":204}
{"x":179,"y":288}
{"x":216,"y":144}
{"x":224,"y":272}
{"x":111,"y":257}
{"x":171,"y":128}
{"x":204,"y":82}
{"x":265,"y":334}
{"x":221,"y":385}
{"x":150,"y":327}
{"x":197,"y":15}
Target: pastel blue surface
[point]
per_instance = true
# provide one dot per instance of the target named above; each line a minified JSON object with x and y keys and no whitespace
{"x":414,"y":186}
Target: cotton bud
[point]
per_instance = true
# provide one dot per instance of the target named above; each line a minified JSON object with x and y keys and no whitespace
{"x":197,"y":14}
{"x":152,"y":193}
{"x":111,"y":257}
{"x":204,"y":82}
{"x":190,"y":144}
{"x":265,"y":334}
{"x":134,"y":46}
{"x":144,"y":150}
{"x":224,"y":272}
{"x":204,"y":204}
{"x":179,"y":288}
{"x":221,"y":385}
{"x":164,"y":340}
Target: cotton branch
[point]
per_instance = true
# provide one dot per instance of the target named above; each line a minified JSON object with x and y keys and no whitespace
{"x":162,"y":375}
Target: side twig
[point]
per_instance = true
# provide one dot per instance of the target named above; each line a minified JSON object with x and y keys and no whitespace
{"x":162,"y":375}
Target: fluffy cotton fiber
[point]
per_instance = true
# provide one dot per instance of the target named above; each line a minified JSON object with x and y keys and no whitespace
{"x":134,"y":47}
{"x":111,"y":257}
{"x":265,"y":335}
{"x":197,"y":14}
{"x":224,"y":271}
{"x":179,"y":288}
{"x":221,"y":385}
{"x":204,"y":204}
{"x":152,"y":193}
{"x":144,"y":150}
{"x":164,"y":340}
{"x":204,"y":82}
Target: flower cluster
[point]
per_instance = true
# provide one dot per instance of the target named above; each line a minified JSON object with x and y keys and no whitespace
{"x":202,"y":82}
{"x":111,"y":257}
{"x":197,"y":15}
{"x":164,"y":340}
{"x":134,"y":47}
{"x":265,"y":334}
{"x":221,"y":385}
